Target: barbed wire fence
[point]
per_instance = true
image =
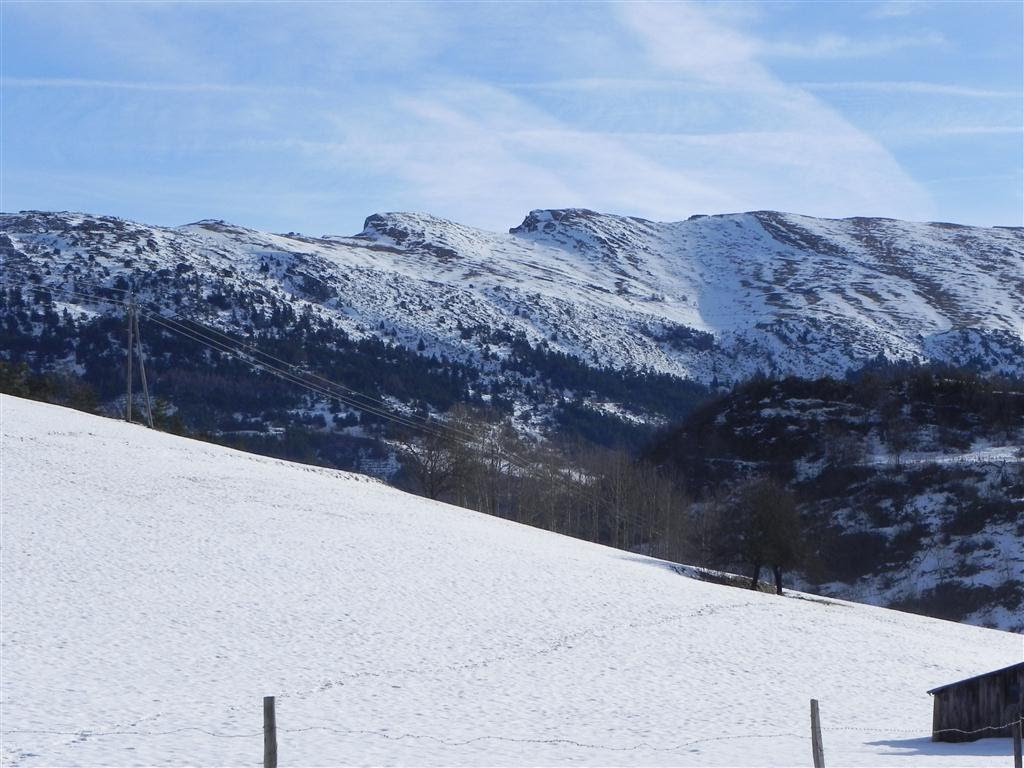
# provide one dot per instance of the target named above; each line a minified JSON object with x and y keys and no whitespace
{"x":270,"y":731}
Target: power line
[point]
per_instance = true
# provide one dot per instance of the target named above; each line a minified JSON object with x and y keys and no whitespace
{"x":319,"y":385}
{"x":288,"y":375}
{"x":205,"y":335}
{"x":373,"y":401}
{"x":75,"y":294}
{"x":359,"y":400}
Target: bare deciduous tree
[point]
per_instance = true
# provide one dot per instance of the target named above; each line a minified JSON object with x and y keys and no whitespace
{"x":431,"y":464}
{"x":764,"y":528}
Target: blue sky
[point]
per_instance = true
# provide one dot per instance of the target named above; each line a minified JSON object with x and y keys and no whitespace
{"x":310,"y":116}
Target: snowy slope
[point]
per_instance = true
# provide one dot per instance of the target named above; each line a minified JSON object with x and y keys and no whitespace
{"x":158,"y":587}
{"x":711,"y":297}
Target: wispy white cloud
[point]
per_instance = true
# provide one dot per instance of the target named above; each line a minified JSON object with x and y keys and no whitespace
{"x":712,"y":52}
{"x":842,"y":47}
{"x":485,"y":156}
{"x":130,"y":85}
{"x":139,"y":37}
{"x":169,"y":199}
{"x":963,"y":130}
{"x":897,"y":9}
{"x":212,"y":42}
{"x":657,"y":110}
{"x":806,"y":154}
{"x":1013,"y":177}
{"x":911,"y":87}
{"x":668,"y":83}
{"x":616,"y":84}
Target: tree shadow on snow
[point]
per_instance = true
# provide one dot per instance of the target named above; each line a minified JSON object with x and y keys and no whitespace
{"x":722,"y":577}
{"x":925,"y":746}
{"x":695,"y":572}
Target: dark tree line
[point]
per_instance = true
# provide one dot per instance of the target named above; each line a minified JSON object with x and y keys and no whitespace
{"x":480,"y":462}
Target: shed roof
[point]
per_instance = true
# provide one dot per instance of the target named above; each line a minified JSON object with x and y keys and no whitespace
{"x":1019,"y":665}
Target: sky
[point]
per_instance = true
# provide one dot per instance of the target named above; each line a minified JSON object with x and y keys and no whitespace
{"x":308,"y":117}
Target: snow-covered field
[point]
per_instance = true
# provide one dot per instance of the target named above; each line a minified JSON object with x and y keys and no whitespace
{"x":156,"y":588}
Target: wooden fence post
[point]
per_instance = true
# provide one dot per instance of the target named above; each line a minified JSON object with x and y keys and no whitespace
{"x":1016,"y":729}
{"x":816,"y":746}
{"x":269,"y":733}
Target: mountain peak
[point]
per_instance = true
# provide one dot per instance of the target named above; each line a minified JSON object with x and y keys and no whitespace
{"x":551,"y":220}
{"x":400,"y":225}
{"x":598,"y":235}
{"x":421,"y":233}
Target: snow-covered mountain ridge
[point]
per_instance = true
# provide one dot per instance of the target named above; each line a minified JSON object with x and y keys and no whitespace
{"x":713,"y":297}
{"x":146,"y":613}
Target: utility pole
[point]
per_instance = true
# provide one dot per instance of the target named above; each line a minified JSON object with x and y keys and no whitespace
{"x":135,"y":337}
{"x":142,"y":364}
{"x":128,"y":403}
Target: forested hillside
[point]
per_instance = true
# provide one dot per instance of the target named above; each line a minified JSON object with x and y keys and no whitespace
{"x":909,"y":483}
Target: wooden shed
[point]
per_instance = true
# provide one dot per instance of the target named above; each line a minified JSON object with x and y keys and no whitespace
{"x":973,"y":709}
